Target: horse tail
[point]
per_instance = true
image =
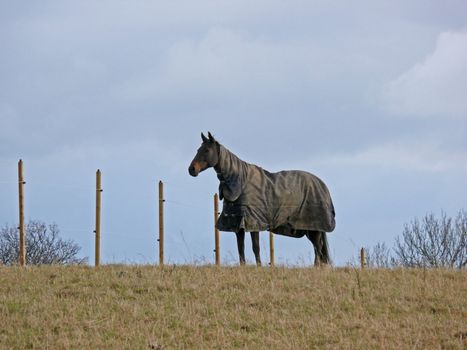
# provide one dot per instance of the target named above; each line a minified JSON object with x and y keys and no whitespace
{"x":325,"y":249}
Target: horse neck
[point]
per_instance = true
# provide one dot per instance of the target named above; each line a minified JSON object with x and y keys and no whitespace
{"x":229,"y":164}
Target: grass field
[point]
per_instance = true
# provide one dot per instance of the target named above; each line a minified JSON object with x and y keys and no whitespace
{"x":182,"y":307}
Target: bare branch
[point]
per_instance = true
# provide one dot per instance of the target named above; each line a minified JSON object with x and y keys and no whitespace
{"x":43,"y":245}
{"x":434,"y":242}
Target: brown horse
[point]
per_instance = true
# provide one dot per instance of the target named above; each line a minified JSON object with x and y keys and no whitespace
{"x":291,"y":203}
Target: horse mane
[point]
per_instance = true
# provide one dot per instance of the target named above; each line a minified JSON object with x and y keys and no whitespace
{"x":232,"y":174}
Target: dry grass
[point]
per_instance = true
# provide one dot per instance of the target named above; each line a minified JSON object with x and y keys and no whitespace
{"x":144,"y":307}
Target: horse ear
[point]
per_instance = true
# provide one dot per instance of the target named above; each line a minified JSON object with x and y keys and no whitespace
{"x":211,"y":138}
{"x":204,"y":138}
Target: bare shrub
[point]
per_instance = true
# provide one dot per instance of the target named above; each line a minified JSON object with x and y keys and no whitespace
{"x":433,"y":242}
{"x":380,"y":256}
{"x":43,"y":245}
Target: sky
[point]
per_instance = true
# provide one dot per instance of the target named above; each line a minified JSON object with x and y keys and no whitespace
{"x":371,"y":96}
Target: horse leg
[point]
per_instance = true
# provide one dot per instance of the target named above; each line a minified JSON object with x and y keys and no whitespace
{"x":255,"y":243}
{"x":320,"y":245}
{"x":241,"y":245}
{"x":313,"y":237}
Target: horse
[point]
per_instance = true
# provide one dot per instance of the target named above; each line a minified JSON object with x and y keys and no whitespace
{"x":292,"y":203}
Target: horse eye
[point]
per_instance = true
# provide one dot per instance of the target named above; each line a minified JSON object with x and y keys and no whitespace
{"x":206,"y":150}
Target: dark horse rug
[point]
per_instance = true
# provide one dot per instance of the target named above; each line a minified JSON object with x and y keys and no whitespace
{"x":287,"y":202}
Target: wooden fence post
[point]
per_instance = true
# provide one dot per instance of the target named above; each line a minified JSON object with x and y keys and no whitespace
{"x":362,"y":258}
{"x":161,"y":223}
{"x":271,"y":248}
{"x":216,"y":231}
{"x":97,"y":231}
{"x":22,"y":238}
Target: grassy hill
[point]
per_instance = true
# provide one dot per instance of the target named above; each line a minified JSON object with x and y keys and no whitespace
{"x":182,"y":307}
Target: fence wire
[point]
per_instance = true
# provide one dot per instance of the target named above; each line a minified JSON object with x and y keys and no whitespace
{"x":172,"y":199}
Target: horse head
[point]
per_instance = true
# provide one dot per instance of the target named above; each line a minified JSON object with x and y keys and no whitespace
{"x":206,"y":157}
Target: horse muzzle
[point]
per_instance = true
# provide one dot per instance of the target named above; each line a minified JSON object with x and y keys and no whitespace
{"x":196,"y":167}
{"x":192,"y":170}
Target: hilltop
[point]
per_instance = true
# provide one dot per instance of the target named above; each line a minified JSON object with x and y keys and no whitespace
{"x":176,"y":307}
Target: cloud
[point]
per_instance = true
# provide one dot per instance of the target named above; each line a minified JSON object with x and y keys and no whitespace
{"x":227,"y":64}
{"x":421,"y":156}
{"x":435,"y":86}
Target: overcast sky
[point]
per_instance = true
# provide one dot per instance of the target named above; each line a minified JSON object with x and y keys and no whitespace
{"x":371,"y":96}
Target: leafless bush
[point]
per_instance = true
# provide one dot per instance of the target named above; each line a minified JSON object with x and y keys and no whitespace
{"x":43,"y":245}
{"x":434,"y":242}
{"x":380,"y":256}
